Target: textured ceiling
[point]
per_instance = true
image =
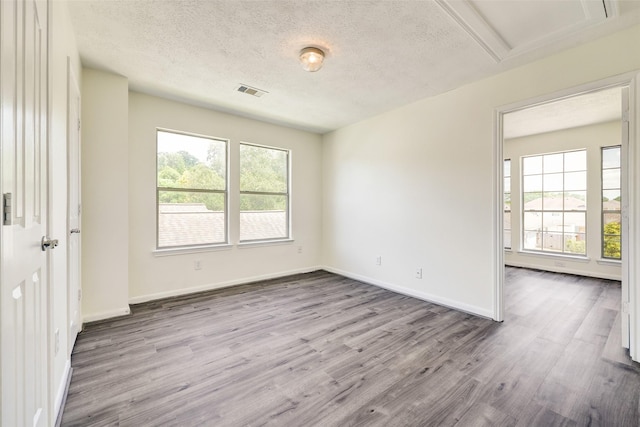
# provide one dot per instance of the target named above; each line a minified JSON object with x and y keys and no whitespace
{"x":380,"y":54}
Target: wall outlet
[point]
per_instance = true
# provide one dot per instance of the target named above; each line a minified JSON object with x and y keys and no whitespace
{"x":418,"y":273}
{"x":379,"y":260}
{"x":299,"y":249}
{"x":57,"y":341}
{"x":197,"y":264}
{"x":559,"y":264}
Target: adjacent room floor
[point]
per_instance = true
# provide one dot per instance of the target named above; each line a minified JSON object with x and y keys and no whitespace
{"x":322,"y":350}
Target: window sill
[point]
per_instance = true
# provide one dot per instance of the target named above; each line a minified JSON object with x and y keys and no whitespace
{"x":613,"y":262}
{"x":576,"y":258}
{"x":190,"y":250}
{"x":258,"y":243}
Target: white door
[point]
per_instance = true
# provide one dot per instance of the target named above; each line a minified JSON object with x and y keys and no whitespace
{"x":73,"y":207}
{"x":24,"y":294}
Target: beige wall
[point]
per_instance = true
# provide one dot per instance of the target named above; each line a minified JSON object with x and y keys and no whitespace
{"x":152,"y":276}
{"x":417,"y":185}
{"x":591,"y":138}
{"x":105,"y":195}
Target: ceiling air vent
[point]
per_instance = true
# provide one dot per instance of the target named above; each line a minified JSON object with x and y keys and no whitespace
{"x":251,"y":90}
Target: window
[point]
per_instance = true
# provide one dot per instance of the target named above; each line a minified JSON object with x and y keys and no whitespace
{"x":191,"y":190}
{"x":611,"y":199}
{"x":507,"y":204}
{"x":264,"y":193}
{"x":554,"y":200}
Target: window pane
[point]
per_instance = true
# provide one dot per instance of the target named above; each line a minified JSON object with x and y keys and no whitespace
{"x":507,"y":239}
{"x":611,"y":200}
{"x":263,"y":217}
{"x":575,"y":161}
{"x":507,"y":185}
{"x":552,"y":241}
{"x":532,"y":221}
{"x":575,"y":243}
{"x":191,"y":162}
{"x":575,"y":181}
{"x":612,"y":247}
{"x":532,"y":201}
{"x":575,"y":201}
{"x":575,"y":222}
{"x":553,"y":182}
{"x":611,"y":179}
{"x":507,"y":168}
{"x":552,"y":201}
{"x":553,"y":163}
{"x":532,"y":183}
{"x":532,"y":165}
{"x":611,"y":157}
{"x":263,"y":169}
{"x":612,"y":218}
{"x":190,"y":218}
{"x":507,"y":201}
{"x":507,"y":220}
{"x":552,"y":221}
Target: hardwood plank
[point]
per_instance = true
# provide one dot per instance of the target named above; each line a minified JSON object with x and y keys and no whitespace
{"x":320,"y":349}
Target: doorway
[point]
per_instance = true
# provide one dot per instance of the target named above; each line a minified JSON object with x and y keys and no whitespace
{"x":578,"y":110}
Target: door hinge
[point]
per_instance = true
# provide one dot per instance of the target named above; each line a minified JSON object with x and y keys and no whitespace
{"x":78,"y":124}
{"x":79,"y":295}
{"x":6,"y":209}
{"x":625,"y":307}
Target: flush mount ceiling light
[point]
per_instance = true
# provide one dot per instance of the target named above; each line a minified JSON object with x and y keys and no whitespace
{"x":311,"y":58}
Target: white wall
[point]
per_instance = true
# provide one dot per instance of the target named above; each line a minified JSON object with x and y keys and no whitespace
{"x":152,"y":276}
{"x":416,"y":184}
{"x":63,"y":46}
{"x":591,"y":138}
{"x":105,"y":188}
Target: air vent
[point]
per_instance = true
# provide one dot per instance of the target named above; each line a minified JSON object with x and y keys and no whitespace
{"x":251,"y":90}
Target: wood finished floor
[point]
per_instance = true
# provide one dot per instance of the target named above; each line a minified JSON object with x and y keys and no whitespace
{"x":322,"y":350}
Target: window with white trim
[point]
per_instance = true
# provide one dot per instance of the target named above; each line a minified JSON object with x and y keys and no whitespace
{"x":611,"y":200}
{"x":554,"y":201}
{"x":191,"y":196}
{"x":264,"y":193}
{"x":507,"y":204}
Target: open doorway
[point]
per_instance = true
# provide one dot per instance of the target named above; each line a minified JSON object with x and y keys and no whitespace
{"x":564,"y":187}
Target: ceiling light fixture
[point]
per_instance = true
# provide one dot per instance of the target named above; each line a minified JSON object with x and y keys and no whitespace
{"x":311,"y":58}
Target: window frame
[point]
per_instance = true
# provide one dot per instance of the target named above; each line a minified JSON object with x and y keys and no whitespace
{"x":563,"y":211}
{"x":224,"y":192}
{"x":287,"y":195}
{"x":602,"y":210}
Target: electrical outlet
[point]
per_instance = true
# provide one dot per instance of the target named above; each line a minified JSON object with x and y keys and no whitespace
{"x":379,"y":260}
{"x":559,"y":264}
{"x":299,"y":249}
{"x":418,"y":273}
{"x":197,"y":265}
{"x":57,"y":341}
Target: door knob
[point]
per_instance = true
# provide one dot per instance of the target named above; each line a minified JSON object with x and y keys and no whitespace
{"x":47,"y":243}
{"x":74,"y":230}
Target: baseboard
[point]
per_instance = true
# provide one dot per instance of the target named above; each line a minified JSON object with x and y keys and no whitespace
{"x":562,"y":270}
{"x":446,"y":302}
{"x":106,"y":315}
{"x":213,"y":286}
{"x":61,"y":396}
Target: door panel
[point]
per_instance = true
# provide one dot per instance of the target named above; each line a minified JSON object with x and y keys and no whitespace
{"x":23,"y":279}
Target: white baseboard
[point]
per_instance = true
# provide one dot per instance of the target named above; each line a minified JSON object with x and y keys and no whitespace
{"x":86,"y":318}
{"x":63,"y":387}
{"x":213,"y":286}
{"x":565,"y":270}
{"x":446,"y":302}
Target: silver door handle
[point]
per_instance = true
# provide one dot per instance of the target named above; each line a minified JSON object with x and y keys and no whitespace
{"x":47,"y":243}
{"x":75,"y":230}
